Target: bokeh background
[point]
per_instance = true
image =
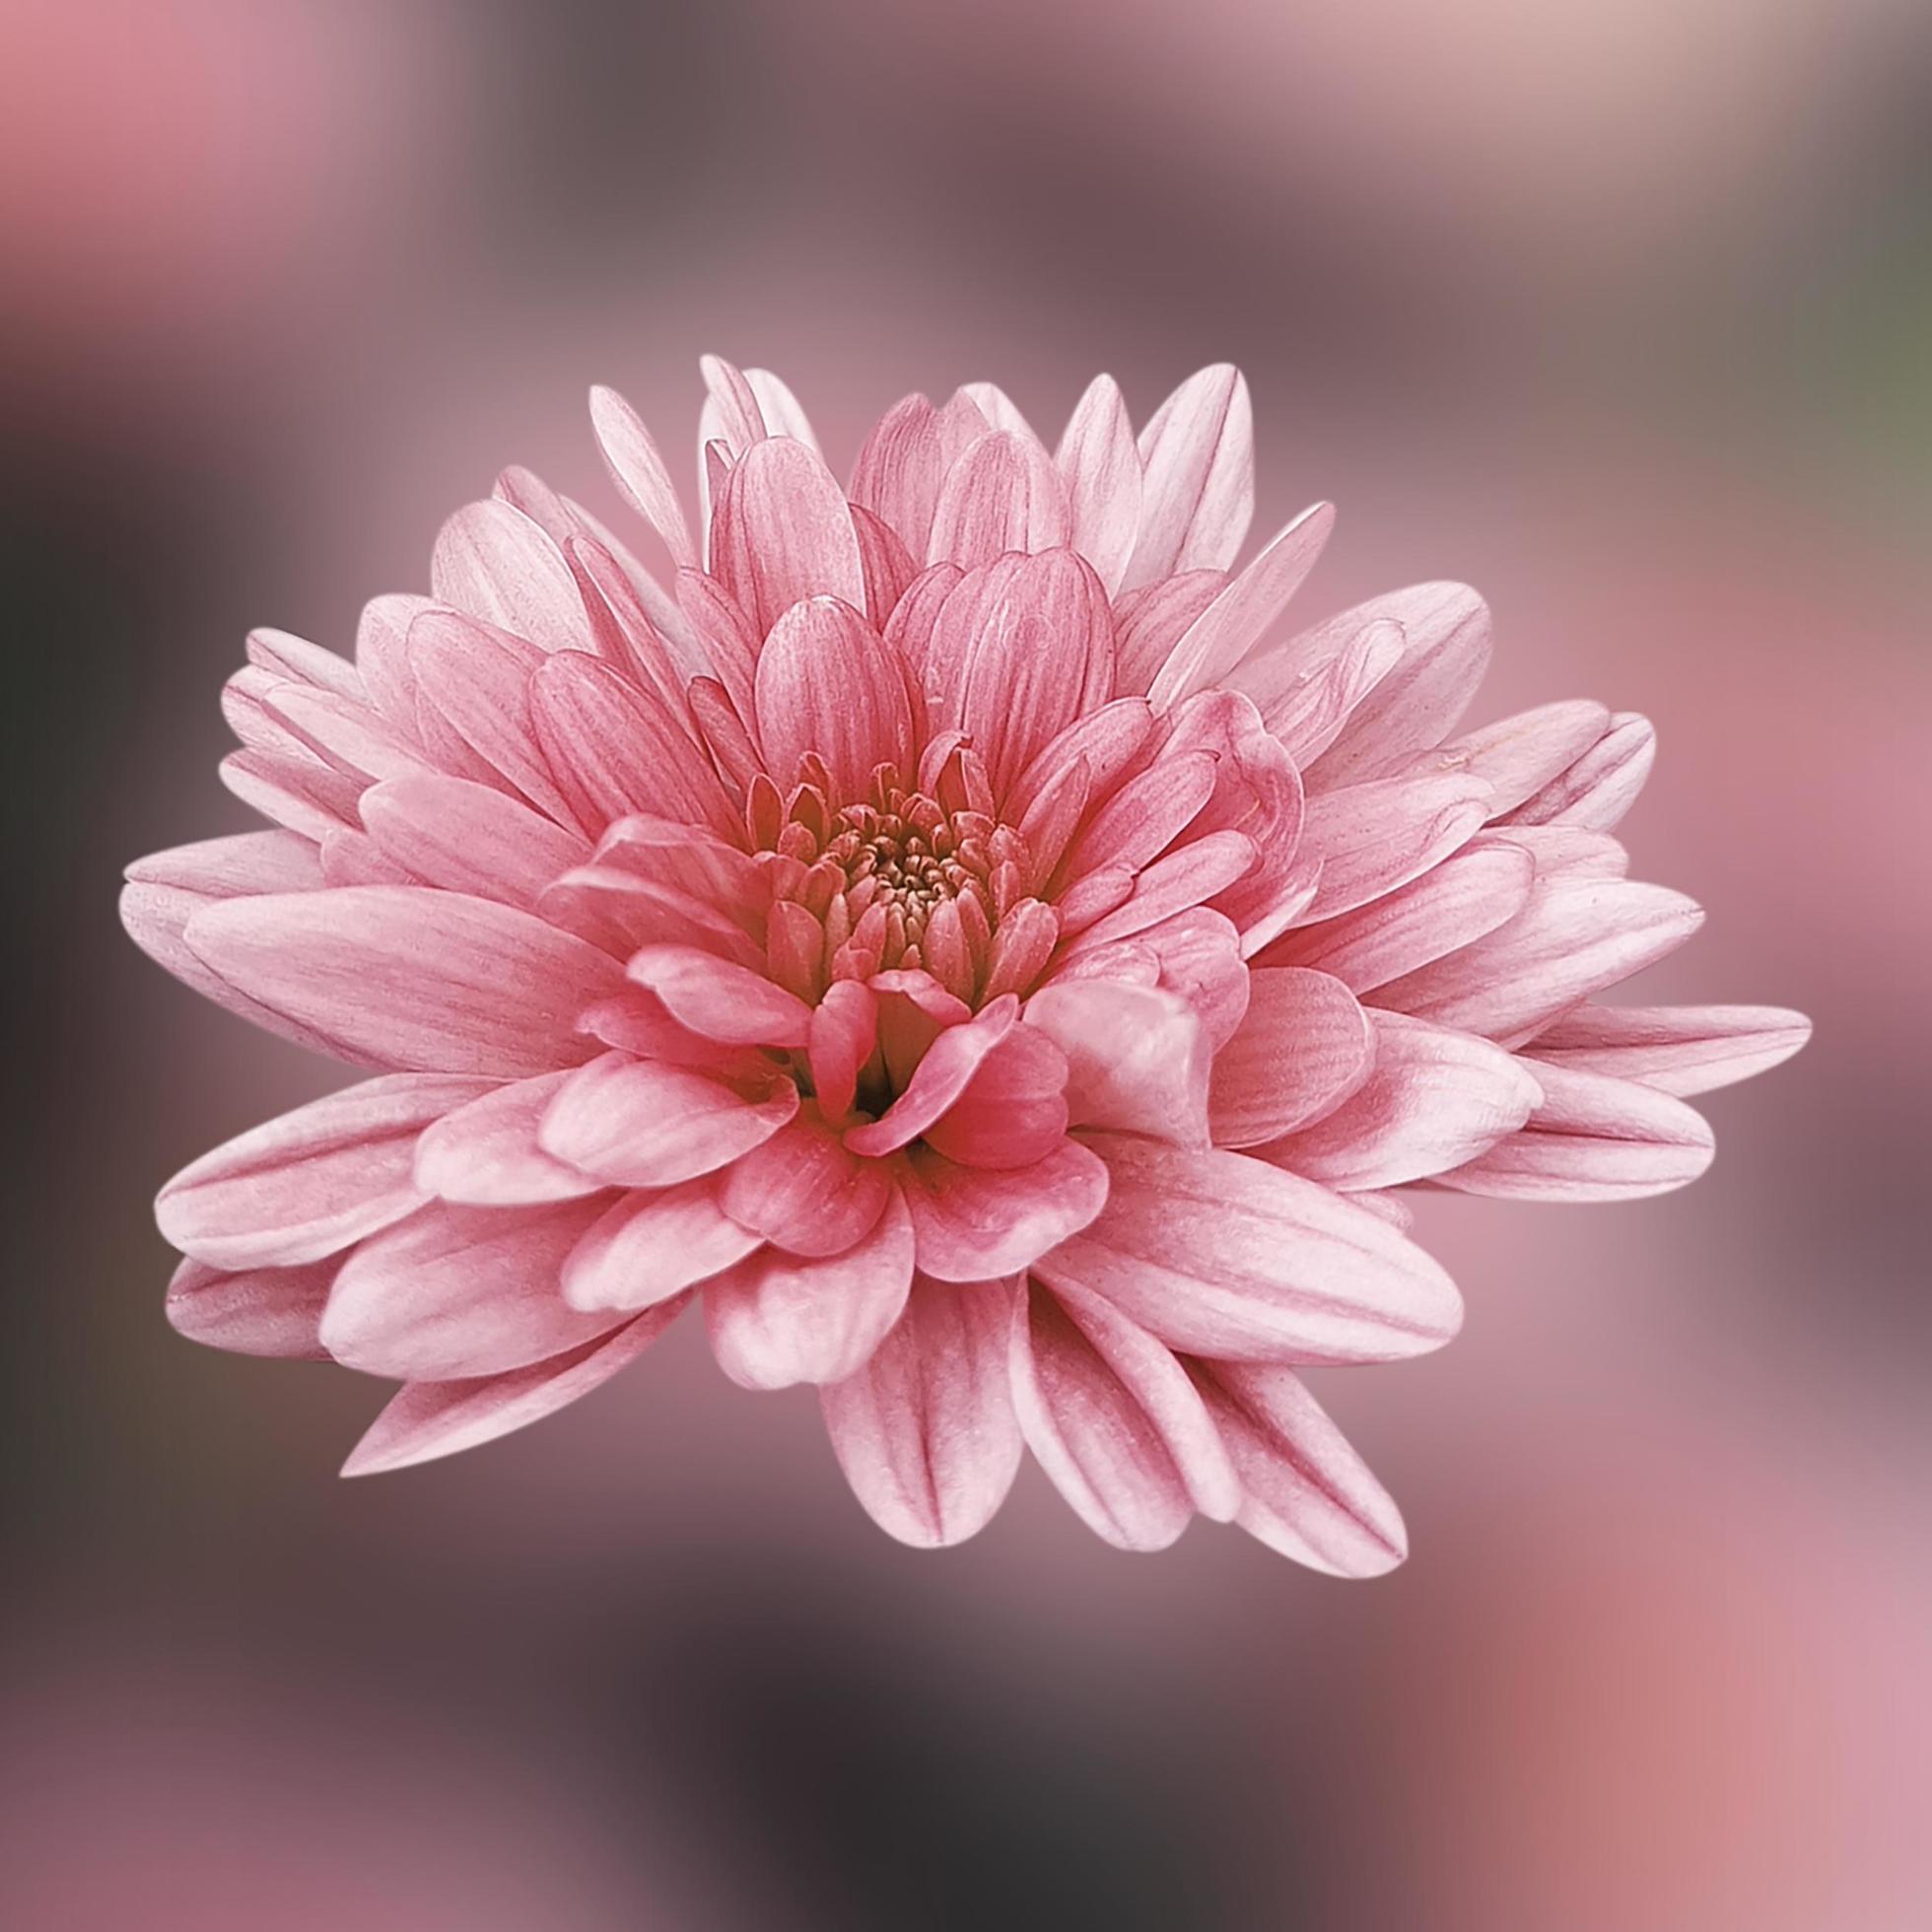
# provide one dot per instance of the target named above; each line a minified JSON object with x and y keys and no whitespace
{"x":1621,"y":311}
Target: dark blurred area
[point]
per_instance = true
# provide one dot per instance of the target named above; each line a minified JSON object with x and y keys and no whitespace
{"x":1620,"y":312}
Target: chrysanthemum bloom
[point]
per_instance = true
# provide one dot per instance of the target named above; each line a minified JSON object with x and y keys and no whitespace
{"x":944,"y":925}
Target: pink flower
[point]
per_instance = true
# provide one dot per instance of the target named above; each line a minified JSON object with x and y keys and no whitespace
{"x":939,"y":924}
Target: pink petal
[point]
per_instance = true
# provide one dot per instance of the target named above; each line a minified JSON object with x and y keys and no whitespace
{"x":1446,"y":633}
{"x":1369,"y":839}
{"x":899,"y":470}
{"x":1435,"y":1099}
{"x":1593,"y":1138}
{"x":494,"y":563}
{"x":166,"y":889}
{"x":973,"y":1224}
{"x":429,"y":1420}
{"x":435,"y":982}
{"x":1679,"y":1050}
{"x":263,"y":1311}
{"x":1303,"y":1048}
{"x":309,"y":1183}
{"x":1307,"y":1495}
{"x":288,"y":656}
{"x":465,"y":837}
{"x":383,"y":657}
{"x":941,"y":1076}
{"x":1106,"y":742}
{"x":1602,"y":785}
{"x":455,"y":1292}
{"x":1151,"y":621}
{"x":1518,"y":756}
{"x":787,"y":534}
{"x":1196,"y":954}
{"x":780,"y":410}
{"x":721,"y":1000}
{"x":1100,"y":470}
{"x":1013,"y":1110}
{"x":1197,"y":455}
{"x":1003,"y":493}
{"x":1146,"y":815}
{"x":486,"y":1155}
{"x":804,"y":1191}
{"x":1471,"y":893}
{"x":926,"y":1432}
{"x":1306,"y":702}
{"x":1175,"y":883}
{"x":649,"y":1247}
{"x":735,"y":402}
{"x":827,"y":683}
{"x":1136,"y":1056}
{"x":1241,"y":615}
{"x":614,"y":750}
{"x":637,"y":470}
{"x":888,"y":565}
{"x":1226,"y":1256}
{"x":776,"y":1319}
{"x":1108,"y":1415}
{"x":641,"y":1124}
{"x":1574,"y":937}
{"x":844,"y":1028}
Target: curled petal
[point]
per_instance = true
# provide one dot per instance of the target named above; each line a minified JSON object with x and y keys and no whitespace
{"x":973,"y":1224}
{"x":1136,"y":1056}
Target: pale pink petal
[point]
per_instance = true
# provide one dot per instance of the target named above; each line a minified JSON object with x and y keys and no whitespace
{"x":926,"y":1432}
{"x":804,"y":1191}
{"x":787,"y":534}
{"x":1229,"y":1257}
{"x":1369,"y":839}
{"x":486,"y":1153}
{"x":1307,"y":1495}
{"x":1602,"y":785}
{"x":1196,"y":954}
{"x":740,"y":419}
{"x":494,"y":563}
{"x":286,"y":656}
{"x":641,"y":1124}
{"x":425,"y":1420}
{"x":346,"y":733}
{"x":1089,"y":1423}
{"x":402,"y":976}
{"x":641,"y":1025}
{"x":780,"y":410}
{"x":614,"y":750}
{"x":1003,"y":493}
{"x":383,"y":656}
{"x":465,"y":837}
{"x":637,"y":470}
{"x":1305,"y":703}
{"x":721,"y":1000}
{"x":1518,"y":756}
{"x":1679,"y":1049}
{"x":290,"y":795}
{"x":997,"y":407}
{"x":1175,"y":883}
{"x":1471,"y":893}
{"x":1106,"y":741}
{"x":1013,"y":1110}
{"x":1146,"y":815}
{"x":649,"y":1246}
{"x":1567,"y":852}
{"x":310,"y":1182}
{"x":1218,"y":640}
{"x":778,"y":1318}
{"x":455,"y":1292}
{"x":827,"y":684}
{"x":1446,"y":650}
{"x":973,"y":1224}
{"x":1303,"y":1048}
{"x":1593,"y":1138}
{"x":1198,"y":454}
{"x":262,"y":1311}
{"x":1574,"y":937}
{"x":1101,"y":470}
{"x":1151,"y":621}
{"x":1435,"y":1099}
{"x":1136,"y":1056}
{"x":940,"y":1078}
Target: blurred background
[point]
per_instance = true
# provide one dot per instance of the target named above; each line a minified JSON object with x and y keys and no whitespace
{"x":1620,"y":311}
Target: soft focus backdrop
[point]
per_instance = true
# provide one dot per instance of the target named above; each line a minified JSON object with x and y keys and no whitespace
{"x":1619,"y":311}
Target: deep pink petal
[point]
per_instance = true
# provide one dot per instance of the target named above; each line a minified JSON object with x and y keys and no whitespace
{"x":1594,"y":793}
{"x":804,"y":1191}
{"x":1229,"y":1257}
{"x":723,"y":1002}
{"x":1518,"y":756}
{"x":777,"y":1319}
{"x":827,"y":683}
{"x":926,"y":1432}
{"x":941,"y":1076}
{"x":1013,"y":1110}
{"x":637,"y":470}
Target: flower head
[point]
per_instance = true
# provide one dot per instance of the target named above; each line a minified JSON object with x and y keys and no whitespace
{"x":947,"y":926}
